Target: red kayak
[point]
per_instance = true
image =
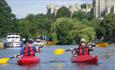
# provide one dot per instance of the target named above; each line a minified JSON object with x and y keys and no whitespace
{"x":28,"y":60}
{"x":85,"y":59}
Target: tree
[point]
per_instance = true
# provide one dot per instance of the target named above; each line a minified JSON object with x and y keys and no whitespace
{"x":63,"y":12}
{"x":43,"y":25}
{"x":82,"y":31}
{"x":68,"y":31}
{"x":83,"y":6}
{"x":79,"y":15}
{"x":83,"y":15}
{"x":109,"y":25}
{"x":25,"y":27}
{"x":35,"y":25}
{"x":7,"y":19}
{"x":30,"y":17}
{"x":61,"y":28}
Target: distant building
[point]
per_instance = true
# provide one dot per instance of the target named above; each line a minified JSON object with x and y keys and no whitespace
{"x":75,"y":7}
{"x":103,"y":7}
{"x":86,"y":7}
{"x":52,"y":8}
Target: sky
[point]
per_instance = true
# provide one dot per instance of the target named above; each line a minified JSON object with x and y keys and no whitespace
{"x":22,"y":8}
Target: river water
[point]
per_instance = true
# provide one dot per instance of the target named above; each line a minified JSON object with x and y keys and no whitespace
{"x":50,"y":61}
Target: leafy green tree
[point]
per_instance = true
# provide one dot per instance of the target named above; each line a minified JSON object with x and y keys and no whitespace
{"x":7,"y":19}
{"x":82,"y":15}
{"x":61,"y":28}
{"x":69,"y":31}
{"x":43,"y":25}
{"x":109,"y":25}
{"x":35,"y":25}
{"x":25,"y":27}
{"x":79,"y":15}
{"x":97,"y":25}
{"x":30,"y":17}
{"x":63,"y":12}
{"x":82,"y":31}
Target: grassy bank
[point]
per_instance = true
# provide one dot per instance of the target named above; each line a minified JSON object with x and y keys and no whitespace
{"x":1,"y":45}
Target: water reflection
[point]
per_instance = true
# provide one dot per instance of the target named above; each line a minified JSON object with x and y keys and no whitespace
{"x":29,"y":67}
{"x":59,"y":66}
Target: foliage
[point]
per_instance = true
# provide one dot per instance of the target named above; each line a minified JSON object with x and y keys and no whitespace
{"x":7,"y":19}
{"x":63,"y":12}
{"x":82,"y":15}
{"x":62,"y":27}
{"x":35,"y":25}
{"x":82,"y":31}
{"x":68,"y":31}
{"x":109,"y":26}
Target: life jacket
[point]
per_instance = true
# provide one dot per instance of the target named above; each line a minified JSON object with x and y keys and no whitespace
{"x":83,"y":51}
{"x":29,"y":51}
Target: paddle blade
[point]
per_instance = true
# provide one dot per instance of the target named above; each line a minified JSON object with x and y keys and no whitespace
{"x":103,"y":44}
{"x":4,"y":60}
{"x":59,"y":51}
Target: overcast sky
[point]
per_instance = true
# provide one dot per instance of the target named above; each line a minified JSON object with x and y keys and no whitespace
{"x":23,"y":7}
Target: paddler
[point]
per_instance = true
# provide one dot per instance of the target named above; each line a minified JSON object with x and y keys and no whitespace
{"x":84,"y":48}
{"x":28,"y":49}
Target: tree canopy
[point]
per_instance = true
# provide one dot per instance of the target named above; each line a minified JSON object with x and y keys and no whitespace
{"x":35,"y":25}
{"x":63,"y":12}
{"x":7,"y":19}
{"x":68,"y":31}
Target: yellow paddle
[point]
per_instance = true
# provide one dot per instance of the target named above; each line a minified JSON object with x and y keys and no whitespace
{"x":61,"y":51}
{"x":103,"y":44}
{"x":6,"y":60}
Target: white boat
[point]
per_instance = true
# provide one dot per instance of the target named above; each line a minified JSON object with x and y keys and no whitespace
{"x":38,"y":42}
{"x":12,"y":40}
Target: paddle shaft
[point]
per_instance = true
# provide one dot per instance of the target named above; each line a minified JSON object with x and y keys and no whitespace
{"x":73,"y":49}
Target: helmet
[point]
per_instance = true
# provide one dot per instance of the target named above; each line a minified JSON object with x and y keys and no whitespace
{"x":82,"y":40}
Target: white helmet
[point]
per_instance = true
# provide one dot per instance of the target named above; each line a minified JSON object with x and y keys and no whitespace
{"x":82,"y":40}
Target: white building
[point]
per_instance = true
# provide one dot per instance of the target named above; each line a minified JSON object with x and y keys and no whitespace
{"x":52,"y":8}
{"x":103,"y":7}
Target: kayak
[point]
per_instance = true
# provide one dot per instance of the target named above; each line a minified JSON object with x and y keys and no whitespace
{"x":26,"y":60}
{"x":85,"y":59}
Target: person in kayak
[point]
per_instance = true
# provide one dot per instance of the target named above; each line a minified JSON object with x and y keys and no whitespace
{"x":28,"y":50}
{"x":84,"y":48}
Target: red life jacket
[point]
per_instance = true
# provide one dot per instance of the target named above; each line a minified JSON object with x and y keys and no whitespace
{"x":29,"y":51}
{"x":83,"y":51}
